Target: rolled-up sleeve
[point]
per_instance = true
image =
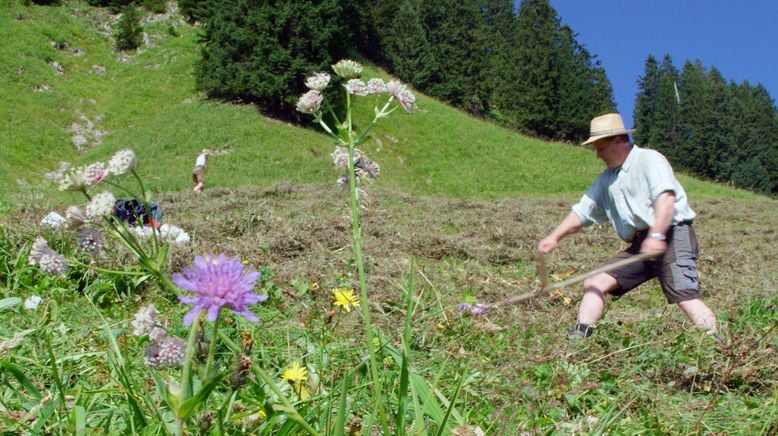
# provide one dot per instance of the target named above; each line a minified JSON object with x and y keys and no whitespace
{"x":588,"y":210}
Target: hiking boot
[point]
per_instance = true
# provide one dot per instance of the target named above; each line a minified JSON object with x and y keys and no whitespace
{"x":580,"y":331}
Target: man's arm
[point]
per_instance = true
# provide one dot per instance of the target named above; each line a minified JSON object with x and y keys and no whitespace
{"x":664,"y":207}
{"x":569,"y":225}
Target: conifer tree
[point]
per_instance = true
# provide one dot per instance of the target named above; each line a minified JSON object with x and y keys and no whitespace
{"x":129,"y":32}
{"x":583,"y":89}
{"x":458,"y":51}
{"x":497,"y":28}
{"x":259,"y":52}
{"x":647,"y":101}
{"x":408,"y":50}
{"x":527,"y":90}
{"x":666,"y":132}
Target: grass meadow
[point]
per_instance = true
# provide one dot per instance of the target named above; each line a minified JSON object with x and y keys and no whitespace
{"x":455,"y":216}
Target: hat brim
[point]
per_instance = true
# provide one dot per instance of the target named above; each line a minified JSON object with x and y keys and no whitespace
{"x":608,"y":135}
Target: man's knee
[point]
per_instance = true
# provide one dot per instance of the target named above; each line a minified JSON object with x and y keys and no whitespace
{"x":600,"y":283}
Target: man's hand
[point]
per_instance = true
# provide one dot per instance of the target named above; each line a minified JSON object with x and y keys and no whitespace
{"x":570,"y":224}
{"x":548,"y":244}
{"x":651,"y":245}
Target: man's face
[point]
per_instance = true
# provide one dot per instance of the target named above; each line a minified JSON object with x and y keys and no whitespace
{"x":607,"y":151}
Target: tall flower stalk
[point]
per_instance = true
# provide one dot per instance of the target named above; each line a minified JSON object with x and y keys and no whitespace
{"x":147,"y":239}
{"x":358,"y":168}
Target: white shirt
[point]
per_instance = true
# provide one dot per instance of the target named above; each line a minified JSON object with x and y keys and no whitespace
{"x":200,"y":162}
{"x":626,"y":195}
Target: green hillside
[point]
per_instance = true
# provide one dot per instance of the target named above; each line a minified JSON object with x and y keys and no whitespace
{"x":147,"y":101}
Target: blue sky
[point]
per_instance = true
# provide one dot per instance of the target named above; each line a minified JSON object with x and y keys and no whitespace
{"x":739,"y":38}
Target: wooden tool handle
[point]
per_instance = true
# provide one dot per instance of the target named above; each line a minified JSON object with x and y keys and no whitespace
{"x":575,"y":279}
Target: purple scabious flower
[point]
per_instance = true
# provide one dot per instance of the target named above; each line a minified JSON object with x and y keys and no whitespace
{"x":216,"y":282}
{"x":474,"y":309}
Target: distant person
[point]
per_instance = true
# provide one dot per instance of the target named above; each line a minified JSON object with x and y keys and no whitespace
{"x":640,"y":195}
{"x":198,"y":173}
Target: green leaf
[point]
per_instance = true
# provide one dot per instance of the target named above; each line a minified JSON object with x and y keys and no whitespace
{"x":10,"y":303}
{"x":79,"y":418}
{"x":191,"y":404}
{"x":340,"y":421}
{"x":171,"y":399}
{"x":17,"y":373}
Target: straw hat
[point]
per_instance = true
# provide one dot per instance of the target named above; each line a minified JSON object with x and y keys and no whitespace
{"x":606,"y":126}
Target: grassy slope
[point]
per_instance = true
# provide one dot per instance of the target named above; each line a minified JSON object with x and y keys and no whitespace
{"x":149,"y":103}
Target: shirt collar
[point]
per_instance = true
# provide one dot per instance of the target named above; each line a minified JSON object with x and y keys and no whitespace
{"x":630,"y":159}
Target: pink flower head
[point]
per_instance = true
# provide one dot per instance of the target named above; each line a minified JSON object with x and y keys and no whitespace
{"x":216,"y":282}
{"x":376,"y":86}
{"x":310,"y":102}
{"x":356,"y":87}
{"x":340,"y":156}
{"x":405,"y":97}
{"x":96,"y":173}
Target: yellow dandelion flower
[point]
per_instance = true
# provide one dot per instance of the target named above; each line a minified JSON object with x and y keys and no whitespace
{"x":345,"y":298}
{"x":295,"y":373}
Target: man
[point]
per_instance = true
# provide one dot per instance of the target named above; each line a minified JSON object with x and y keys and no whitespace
{"x":640,"y":195}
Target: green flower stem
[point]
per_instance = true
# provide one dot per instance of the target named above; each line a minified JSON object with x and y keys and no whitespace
{"x":165,"y":282}
{"x":120,"y":187}
{"x":105,"y":270}
{"x":186,"y":375}
{"x":128,"y":239}
{"x":287,"y":406}
{"x":357,"y":235}
{"x":212,"y":346}
{"x":148,"y":211}
{"x":328,"y":130}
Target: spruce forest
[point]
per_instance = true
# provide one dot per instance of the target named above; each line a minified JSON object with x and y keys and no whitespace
{"x":523,"y":69}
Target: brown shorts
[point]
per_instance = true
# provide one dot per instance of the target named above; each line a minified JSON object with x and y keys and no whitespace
{"x":198,"y":174}
{"x":676,"y":270}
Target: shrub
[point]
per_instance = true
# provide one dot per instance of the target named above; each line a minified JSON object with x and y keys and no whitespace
{"x":129,"y":32}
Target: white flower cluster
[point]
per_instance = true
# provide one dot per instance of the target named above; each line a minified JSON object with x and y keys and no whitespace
{"x":100,"y":206}
{"x":145,"y":320}
{"x":171,"y":351}
{"x":164,"y":350}
{"x":122,"y":162}
{"x":404,"y":96}
{"x":360,"y":88}
{"x":318,"y":81}
{"x":86,"y":177}
{"x":310,"y":102}
{"x":74,"y":218}
{"x":167,"y":232}
{"x":364,"y":169}
{"x":50,"y":261}
{"x":82,"y":178}
{"x":90,"y":240}
{"x":53,"y":220}
{"x":347,"y":69}
{"x":340,"y":156}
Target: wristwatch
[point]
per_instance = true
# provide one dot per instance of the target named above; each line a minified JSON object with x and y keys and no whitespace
{"x":658,"y":236}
